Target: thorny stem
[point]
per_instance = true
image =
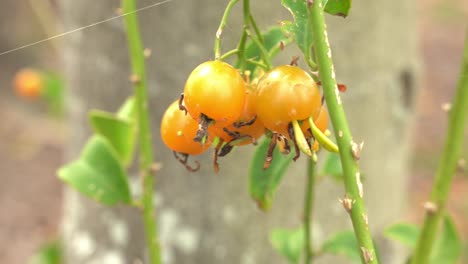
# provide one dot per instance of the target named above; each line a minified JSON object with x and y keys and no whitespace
{"x":352,"y":181}
{"x":458,"y":116}
{"x":308,"y":211}
{"x":146,"y":153}
{"x":219,"y":32}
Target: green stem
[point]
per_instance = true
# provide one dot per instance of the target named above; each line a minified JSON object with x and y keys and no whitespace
{"x":263,"y":51}
{"x":353,"y":186}
{"x":146,"y":153}
{"x":308,"y":211}
{"x":447,"y":165}
{"x":222,"y":24}
{"x":229,"y":54}
{"x":241,"y":46}
{"x":256,"y":28}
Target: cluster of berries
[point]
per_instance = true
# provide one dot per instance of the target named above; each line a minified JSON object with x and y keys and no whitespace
{"x":219,"y":107}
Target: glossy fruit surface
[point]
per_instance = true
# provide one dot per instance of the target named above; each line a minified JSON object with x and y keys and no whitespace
{"x":255,"y":130}
{"x":178,"y":131}
{"x":216,"y":90}
{"x":28,"y":84}
{"x":284,"y":94}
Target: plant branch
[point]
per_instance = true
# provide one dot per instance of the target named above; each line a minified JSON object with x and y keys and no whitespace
{"x":353,"y":200}
{"x":146,"y":153}
{"x":263,"y":51}
{"x":308,"y":211}
{"x":447,"y":165}
{"x":222,"y":24}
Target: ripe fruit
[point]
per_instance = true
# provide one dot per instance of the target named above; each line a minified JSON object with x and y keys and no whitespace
{"x":249,"y":132}
{"x":215,"y":90}
{"x":178,"y":131}
{"x":28,"y":84}
{"x":284,"y":94}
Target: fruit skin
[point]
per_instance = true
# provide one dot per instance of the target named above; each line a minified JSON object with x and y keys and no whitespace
{"x":256,"y":130}
{"x":28,"y":83}
{"x":284,"y":94}
{"x":178,"y":131}
{"x":216,"y":90}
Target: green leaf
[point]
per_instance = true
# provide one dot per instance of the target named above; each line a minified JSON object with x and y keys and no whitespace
{"x":120,"y":132}
{"x":98,"y":173}
{"x":263,"y":183}
{"x":338,"y":7}
{"x":344,"y":244}
{"x":300,"y":29}
{"x":405,"y":233}
{"x":447,"y":248}
{"x":128,"y":109}
{"x":53,"y":92}
{"x":50,"y":253}
{"x":289,"y":243}
{"x":332,"y":166}
{"x":271,"y":40}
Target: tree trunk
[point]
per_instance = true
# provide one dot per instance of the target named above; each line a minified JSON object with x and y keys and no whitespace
{"x":208,"y":218}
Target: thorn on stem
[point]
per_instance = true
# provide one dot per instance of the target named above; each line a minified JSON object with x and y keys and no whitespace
{"x":347,"y":204}
{"x":135,"y":79}
{"x":118,"y":11}
{"x":368,"y":257}
{"x":461,"y":165}
{"x":430,"y":207}
{"x":155,"y":167}
{"x":446,"y":107}
{"x":281,"y":45}
{"x":356,"y":149}
{"x":147,"y":52}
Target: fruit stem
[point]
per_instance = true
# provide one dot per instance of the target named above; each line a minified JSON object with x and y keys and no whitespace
{"x":229,"y":54}
{"x":458,"y":117}
{"x":263,"y":51}
{"x":146,"y":154}
{"x":219,"y":32}
{"x":353,"y":185}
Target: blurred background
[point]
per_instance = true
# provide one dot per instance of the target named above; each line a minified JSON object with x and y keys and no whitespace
{"x":34,"y":130}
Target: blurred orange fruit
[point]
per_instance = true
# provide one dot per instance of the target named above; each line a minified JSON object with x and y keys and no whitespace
{"x":28,"y":83}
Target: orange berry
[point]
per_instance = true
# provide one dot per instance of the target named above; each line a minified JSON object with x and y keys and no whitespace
{"x":28,"y":84}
